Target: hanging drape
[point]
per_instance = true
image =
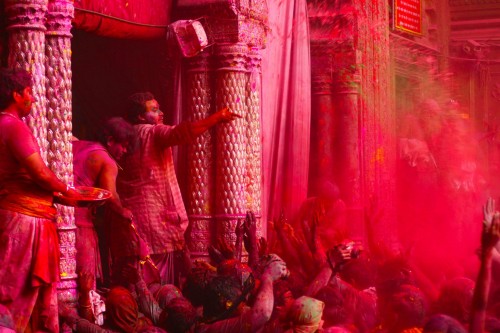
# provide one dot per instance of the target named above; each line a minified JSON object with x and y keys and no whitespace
{"x":286,"y":108}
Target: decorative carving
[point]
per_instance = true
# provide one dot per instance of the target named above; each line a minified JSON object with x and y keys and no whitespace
{"x":59,"y":133}
{"x":254,"y":140}
{"x":59,"y":16}
{"x":231,"y":81}
{"x":244,"y":21}
{"x":25,"y":24}
{"x":201,"y":169}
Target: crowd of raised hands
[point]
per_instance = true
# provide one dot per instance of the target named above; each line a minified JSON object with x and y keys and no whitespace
{"x":296,"y":283}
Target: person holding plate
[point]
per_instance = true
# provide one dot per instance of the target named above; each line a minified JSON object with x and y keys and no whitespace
{"x":29,"y":246}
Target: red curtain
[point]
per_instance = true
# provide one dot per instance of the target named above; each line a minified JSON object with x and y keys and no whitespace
{"x":123,"y":19}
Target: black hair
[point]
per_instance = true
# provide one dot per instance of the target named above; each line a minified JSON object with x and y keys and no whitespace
{"x":136,"y":105}
{"x":118,"y":129}
{"x":11,"y":81}
{"x":179,"y":316}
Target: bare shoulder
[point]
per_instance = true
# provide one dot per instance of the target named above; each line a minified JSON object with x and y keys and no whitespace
{"x":99,"y":159}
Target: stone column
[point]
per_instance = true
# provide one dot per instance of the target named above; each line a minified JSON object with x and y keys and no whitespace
{"x":201,"y":173}
{"x":323,"y":129}
{"x":26,"y":29}
{"x":231,"y":83}
{"x":236,"y":31}
{"x":59,"y":132}
{"x":254,"y":138}
{"x":348,"y":146}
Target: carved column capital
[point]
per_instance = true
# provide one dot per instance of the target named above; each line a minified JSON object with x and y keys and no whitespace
{"x":229,"y":21}
{"x":231,"y":57}
{"x":59,"y":16}
{"x":26,"y":14}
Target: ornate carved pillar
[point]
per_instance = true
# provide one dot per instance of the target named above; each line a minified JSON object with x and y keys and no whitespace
{"x":25,"y":24}
{"x":59,"y":115}
{"x":231,"y":83}
{"x":237,"y":32}
{"x":323,"y":129}
{"x":254,"y":138}
{"x":201,"y":173}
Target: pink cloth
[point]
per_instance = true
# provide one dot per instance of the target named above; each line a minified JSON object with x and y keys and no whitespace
{"x":148,"y":186}
{"x":87,"y":245}
{"x":20,"y":237}
{"x":286,"y":108}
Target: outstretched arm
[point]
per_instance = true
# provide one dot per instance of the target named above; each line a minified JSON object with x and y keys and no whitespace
{"x":221,"y":116}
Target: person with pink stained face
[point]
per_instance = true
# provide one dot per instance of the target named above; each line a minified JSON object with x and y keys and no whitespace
{"x":148,"y":184}
{"x":29,"y":247}
{"x":95,"y":164}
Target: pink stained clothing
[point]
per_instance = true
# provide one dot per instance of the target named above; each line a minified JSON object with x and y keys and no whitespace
{"x":148,"y":186}
{"x":87,"y":255}
{"x":20,"y":252}
{"x":29,"y":247}
{"x":17,"y":143}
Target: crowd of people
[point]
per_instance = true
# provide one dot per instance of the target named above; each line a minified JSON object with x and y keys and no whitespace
{"x":313,"y":278}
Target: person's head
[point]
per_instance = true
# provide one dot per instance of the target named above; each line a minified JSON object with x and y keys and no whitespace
{"x":359,"y":272}
{"x":406,"y":309}
{"x":455,"y":298}
{"x":166,"y":294}
{"x":306,"y":312}
{"x":441,"y":323}
{"x":223,"y":292}
{"x":196,"y":285}
{"x":122,"y":311}
{"x":117,"y":135}
{"x":179,"y":316}
{"x":15,"y":89}
{"x":393,"y":273}
{"x":144,"y":109}
{"x":239,"y":271}
{"x":328,"y":190}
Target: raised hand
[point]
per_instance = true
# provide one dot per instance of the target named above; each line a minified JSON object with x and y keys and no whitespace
{"x":225,"y":116}
{"x":225,"y":248}
{"x":491,"y":233}
{"x":239,"y":232}
{"x":262,"y":247}
{"x":489,"y":211}
{"x":338,"y":255}
{"x":275,"y":267}
{"x":215,"y":255}
{"x":250,"y":234}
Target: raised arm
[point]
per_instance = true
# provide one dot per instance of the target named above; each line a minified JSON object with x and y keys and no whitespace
{"x":221,"y":116}
{"x":264,"y":302}
{"x":489,"y":238}
{"x":250,"y":239}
